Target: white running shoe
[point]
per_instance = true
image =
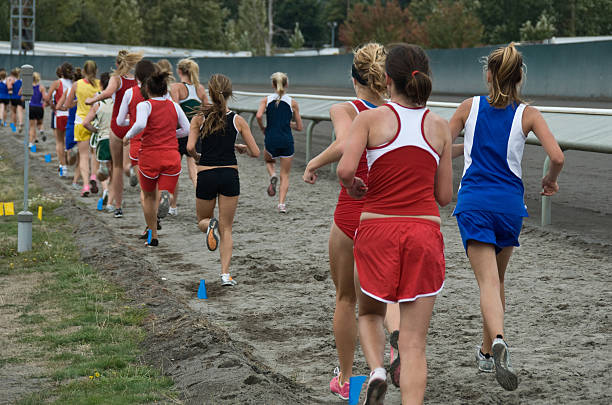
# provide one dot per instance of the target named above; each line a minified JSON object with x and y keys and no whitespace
{"x":282,"y":208}
{"x":173,"y":211}
{"x":110,"y":208}
{"x":485,"y":361}
{"x":504,"y":373}
{"x":227,"y":280}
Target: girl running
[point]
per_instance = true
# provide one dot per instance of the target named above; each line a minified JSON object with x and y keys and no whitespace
{"x":81,"y":91}
{"x":399,"y":251}
{"x":4,"y":97}
{"x":190,"y":94}
{"x":280,"y":112}
{"x":61,"y":87}
{"x":159,"y":162}
{"x":37,"y":112}
{"x":490,"y":205}
{"x":14,"y":87}
{"x":216,"y":127}
{"x":368,"y":76}
{"x":121,"y":80}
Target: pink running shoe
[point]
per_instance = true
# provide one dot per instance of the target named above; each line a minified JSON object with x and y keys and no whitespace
{"x":341,"y":390}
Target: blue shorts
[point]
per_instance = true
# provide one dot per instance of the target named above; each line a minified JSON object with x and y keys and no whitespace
{"x":280,"y":151}
{"x":500,"y":230}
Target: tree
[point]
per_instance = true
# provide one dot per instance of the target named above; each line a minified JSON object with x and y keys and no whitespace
{"x":308,"y":13}
{"x":297,"y":39}
{"x":543,"y":29}
{"x":252,"y":23}
{"x":452,"y":25}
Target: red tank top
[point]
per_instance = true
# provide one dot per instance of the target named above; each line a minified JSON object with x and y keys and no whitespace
{"x":125,"y":84}
{"x":136,"y":98}
{"x":160,"y":132}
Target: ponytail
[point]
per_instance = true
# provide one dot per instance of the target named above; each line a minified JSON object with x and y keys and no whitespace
{"x":190,"y":68}
{"x":408,"y":66}
{"x":505,"y":65}
{"x":279,"y":81}
{"x":369,"y":67}
{"x":90,"y":70}
{"x":157,"y":83}
{"x":126,"y":62}
{"x":219,"y":89}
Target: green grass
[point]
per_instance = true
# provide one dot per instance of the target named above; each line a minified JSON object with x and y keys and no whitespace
{"x":83,"y":328}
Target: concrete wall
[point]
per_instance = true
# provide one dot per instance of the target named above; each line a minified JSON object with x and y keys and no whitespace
{"x":581,"y":70}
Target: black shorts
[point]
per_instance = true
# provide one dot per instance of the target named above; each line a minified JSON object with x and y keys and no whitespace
{"x":5,"y":101}
{"x":182,"y":143}
{"x":15,"y":102}
{"x":222,"y":180}
{"x":36,"y":113}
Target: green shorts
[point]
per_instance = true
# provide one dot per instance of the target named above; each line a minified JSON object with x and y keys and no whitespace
{"x":103,"y":151}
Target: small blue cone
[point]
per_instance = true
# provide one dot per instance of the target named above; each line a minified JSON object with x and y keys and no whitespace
{"x":33,"y":148}
{"x":48,"y":158}
{"x":100,"y":204}
{"x":149,"y":236}
{"x":356,"y":383}
{"x":202,"y":291}
{"x":13,"y":127}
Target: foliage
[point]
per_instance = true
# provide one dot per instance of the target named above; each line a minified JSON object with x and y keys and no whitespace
{"x":451,"y":25}
{"x":297,"y":39}
{"x":252,"y":24}
{"x":308,"y":13}
{"x":543,"y":29}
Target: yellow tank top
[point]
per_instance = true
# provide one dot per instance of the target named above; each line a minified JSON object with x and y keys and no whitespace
{"x":84,"y":90}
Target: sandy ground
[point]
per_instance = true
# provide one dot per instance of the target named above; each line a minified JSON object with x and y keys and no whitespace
{"x":269,"y":339}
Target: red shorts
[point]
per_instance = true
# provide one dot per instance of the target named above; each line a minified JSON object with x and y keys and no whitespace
{"x":61,"y":122}
{"x":347,"y":213}
{"x":399,"y":259}
{"x":159,"y":169}
{"x":135,"y":149}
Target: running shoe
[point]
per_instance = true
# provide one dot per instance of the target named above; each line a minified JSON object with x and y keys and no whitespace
{"x":94,"y":186}
{"x":145,"y":234}
{"x":504,"y":374}
{"x":164,"y":204}
{"x":212,"y":240}
{"x":272,"y":186}
{"x":341,"y":391}
{"x":227,"y":280}
{"x":133,"y":177}
{"x":85,"y":191}
{"x":118,"y":213}
{"x":153,"y":243}
{"x":282,"y":208}
{"x":76,"y":186}
{"x":485,"y":361}
{"x":375,"y":393}
{"x":110,"y":208}
{"x":173,"y":211}
{"x":395,"y":367}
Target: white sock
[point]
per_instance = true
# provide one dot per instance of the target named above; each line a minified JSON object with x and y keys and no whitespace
{"x":378,"y":374}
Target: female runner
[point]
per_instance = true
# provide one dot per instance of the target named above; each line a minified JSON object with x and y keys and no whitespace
{"x":159,"y":163}
{"x":280,"y":112}
{"x":216,"y":127}
{"x":37,"y":110}
{"x":190,"y":94}
{"x":399,"y":252}
{"x":4,"y":97}
{"x":368,"y":76}
{"x":14,"y":86}
{"x":490,"y":205}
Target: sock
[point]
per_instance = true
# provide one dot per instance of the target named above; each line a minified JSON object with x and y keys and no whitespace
{"x":378,"y":373}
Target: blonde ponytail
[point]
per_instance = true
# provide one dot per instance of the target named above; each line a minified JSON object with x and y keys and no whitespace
{"x":369,"y":67}
{"x":505,"y":65}
{"x":126,"y":62}
{"x":190,"y":68}
{"x":279,"y":81}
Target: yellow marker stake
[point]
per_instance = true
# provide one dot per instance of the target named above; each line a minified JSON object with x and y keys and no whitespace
{"x":9,"y":208}
{"x":40,"y":213}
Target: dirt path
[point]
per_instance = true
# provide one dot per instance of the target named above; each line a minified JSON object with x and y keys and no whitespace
{"x":269,"y":339}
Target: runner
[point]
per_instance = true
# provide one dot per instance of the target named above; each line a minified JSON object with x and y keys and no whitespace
{"x":280,"y":111}
{"x":37,"y":112}
{"x":79,"y":92}
{"x":216,"y":127}
{"x":190,"y":94}
{"x":399,"y":251}
{"x":368,"y":76}
{"x":14,"y":87}
{"x":4,"y":97}
{"x":60,"y":87}
{"x":158,"y":158}
{"x":98,"y":122}
{"x":490,"y":203}
{"x":121,"y":80}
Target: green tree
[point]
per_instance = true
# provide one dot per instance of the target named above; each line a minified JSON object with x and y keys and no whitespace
{"x":232,"y":38}
{"x":452,"y":25}
{"x":308,"y":13}
{"x":252,"y":23}
{"x":543,"y":29}
{"x":297,"y":39}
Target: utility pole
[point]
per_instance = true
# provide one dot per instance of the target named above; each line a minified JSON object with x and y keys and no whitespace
{"x":24,"y":218}
{"x":22,"y":25}
{"x":333,"y":26}
{"x":270,"y":36}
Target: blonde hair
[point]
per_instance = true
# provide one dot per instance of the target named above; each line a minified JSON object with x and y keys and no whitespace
{"x":219,"y":89}
{"x":506,"y":67}
{"x":279,"y":81}
{"x":190,"y":68}
{"x":90,"y":70}
{"x":126,"y":61}
{"x":369,"y":61}
{"x":166,"y":66}
{"x":35,"y":77}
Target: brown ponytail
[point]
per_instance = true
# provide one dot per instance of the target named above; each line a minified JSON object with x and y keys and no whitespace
{"x":90,"y":70}
{"x":408,"y":66}
{"x":219,"y":89}
{"x":505,"y":65}
{"x":157,"y":83}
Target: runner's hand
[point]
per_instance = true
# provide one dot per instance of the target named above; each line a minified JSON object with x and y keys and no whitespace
{"x":358,"y":189}
{"x":549,"y":187}
{"x":241,"y":148}
{"x":126,"y":141}
{"x":89,"y":100}
{"x":310,"y":176}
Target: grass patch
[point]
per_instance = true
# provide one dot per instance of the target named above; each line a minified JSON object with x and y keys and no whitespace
{"x":82,"y":328}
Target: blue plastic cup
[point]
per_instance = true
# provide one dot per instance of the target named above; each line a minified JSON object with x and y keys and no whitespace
{"x":202,"y":290}
{"x":356,"y":384}
{"x":48,"y":158}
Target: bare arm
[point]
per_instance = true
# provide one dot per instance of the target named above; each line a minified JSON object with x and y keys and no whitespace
{"x":251,"y":146}
{"x":194,"y":134}
{"x":52,"y":88}
{"x":260,"y":113}
{"x":121,"y":119}
{"x":297,"y":124}
{"x":69,"y":101}
{"x":201,"y":91}
{"x":175,"y":92}
{"x":443,"y":181}
{"x":91,"y":115}
{"x":457,"y":124}
{"x":355,"y":144}
{"x":113,"y":86}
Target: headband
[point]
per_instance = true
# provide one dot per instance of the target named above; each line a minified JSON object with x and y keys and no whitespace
{"x":357,"y":76}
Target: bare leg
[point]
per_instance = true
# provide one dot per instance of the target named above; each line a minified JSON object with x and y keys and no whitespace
{"x":14,"y":114}
{"x":269,"y":163}
{"x":345,"y":324}
{"x":414,"y":323}
{"x":502,"y":259}
{"x":60,"y":146}
{"x":95,"y":165}
{"x":77,"y":171}
{"x":227,"y":211}
{"x":127,"y":163}
{"x":205,"y":209}
{"x":149,"y":208}
{"x":32,"y":131}
{"x":20,"y":115}
{"x":116,"y":185}
{"x":371,"y":332}
{"x":285,"y":168}
{"x":84,"y":161}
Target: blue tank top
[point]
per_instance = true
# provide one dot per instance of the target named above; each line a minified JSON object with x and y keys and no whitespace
{"x":36,"y":100}
{"x":278,"y":120}
{"x":16,"y":88}
{"x":4,"y":94}
{"x":493,"y":151}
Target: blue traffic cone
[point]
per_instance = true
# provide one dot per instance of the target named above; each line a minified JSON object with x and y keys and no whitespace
{"x":202,"y":290}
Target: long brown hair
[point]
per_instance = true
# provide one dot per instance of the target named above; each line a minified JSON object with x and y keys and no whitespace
{"x":90,"y":70}
{"x":408,"y":66}
{"x":219,"y":89}
{"x":505,"y":65}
